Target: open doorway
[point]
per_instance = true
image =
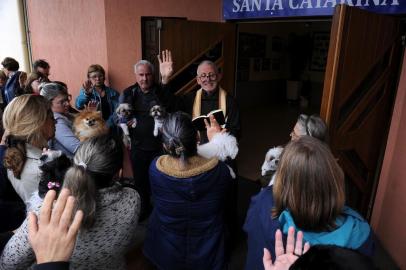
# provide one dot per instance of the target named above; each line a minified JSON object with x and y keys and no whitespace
{"x":347,"y":68}
{"x":280,"y":74}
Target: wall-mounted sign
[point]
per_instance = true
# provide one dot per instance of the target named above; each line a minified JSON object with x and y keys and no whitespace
{"x":247,"y":9}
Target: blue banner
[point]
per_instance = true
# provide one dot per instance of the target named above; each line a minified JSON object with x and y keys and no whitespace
{"x":248,"y":9}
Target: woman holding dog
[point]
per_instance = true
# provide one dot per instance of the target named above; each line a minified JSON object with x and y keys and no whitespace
{"x":64,"y":139}
{"x":110,"y":211}
{"x":308,"y":194}
{"x":95,"y":93}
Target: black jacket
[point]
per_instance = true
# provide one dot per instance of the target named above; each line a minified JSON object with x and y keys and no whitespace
{"x":211,"y":103}
{"x":52,"y":266}
{"x":142,"y":135}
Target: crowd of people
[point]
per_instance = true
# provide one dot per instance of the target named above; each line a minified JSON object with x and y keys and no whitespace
{"x":184,"y":180}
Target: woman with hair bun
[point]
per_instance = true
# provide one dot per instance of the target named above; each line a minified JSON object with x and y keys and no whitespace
{"x":110,"y":211}
{"x":186,"y":227}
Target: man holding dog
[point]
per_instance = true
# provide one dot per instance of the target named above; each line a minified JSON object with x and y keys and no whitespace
{"x":142,"y":96}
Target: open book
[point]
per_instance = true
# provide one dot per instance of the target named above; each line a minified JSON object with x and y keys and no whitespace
{"x":199,"y":124}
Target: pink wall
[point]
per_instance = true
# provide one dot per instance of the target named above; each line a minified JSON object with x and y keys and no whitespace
{"x":389,"y":213}
{"x":71,"y":35}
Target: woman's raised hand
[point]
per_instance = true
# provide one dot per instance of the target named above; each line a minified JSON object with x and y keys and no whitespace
{"x":53,"y":237}
{"x":283,"y":259}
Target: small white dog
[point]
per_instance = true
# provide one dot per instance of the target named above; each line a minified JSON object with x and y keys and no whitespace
{"x":271,"y":163}
{"x":158,"y":113}
{"x":125,"y":113}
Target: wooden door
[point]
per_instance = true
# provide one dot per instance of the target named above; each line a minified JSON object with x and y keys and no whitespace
{"x":191,"y":42}
{"x":359,"y":89}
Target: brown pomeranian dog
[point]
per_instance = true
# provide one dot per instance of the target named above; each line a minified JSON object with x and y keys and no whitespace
{"x":89,"y":124}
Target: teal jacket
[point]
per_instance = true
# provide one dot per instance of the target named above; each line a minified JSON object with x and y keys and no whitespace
{"x":352,"y":230}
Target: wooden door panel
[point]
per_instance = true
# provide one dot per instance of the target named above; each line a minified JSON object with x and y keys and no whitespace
{"x":359,"y":89}
{"x":191,"y":41}
{"x":363,"y":50}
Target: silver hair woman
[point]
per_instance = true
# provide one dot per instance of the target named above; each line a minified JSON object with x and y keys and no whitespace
{"x":110,"y":211}
{"x":96,"y":162}
{"x":64,"y":139}
{"x":312,"y":126}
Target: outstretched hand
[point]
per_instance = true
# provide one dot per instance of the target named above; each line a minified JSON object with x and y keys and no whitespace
{"x":284,"y":259}
{"x":87,"y":86}
{"x":165,"y":65}
{"x":92,"y":106}
{"x":53,"y":237}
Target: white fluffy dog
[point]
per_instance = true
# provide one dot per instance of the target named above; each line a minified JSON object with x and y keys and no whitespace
{"x":125,"y":113}
{"x":271,"y":162}
{"x":222,"y":146}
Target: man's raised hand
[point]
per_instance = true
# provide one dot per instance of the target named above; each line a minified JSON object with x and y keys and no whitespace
{"x":165,"y":65}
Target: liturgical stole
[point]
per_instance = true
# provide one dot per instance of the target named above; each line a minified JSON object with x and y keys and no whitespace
{"x":197,"y":105}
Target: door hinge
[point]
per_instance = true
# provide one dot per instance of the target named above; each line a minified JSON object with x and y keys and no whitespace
{"x":159,"y":24}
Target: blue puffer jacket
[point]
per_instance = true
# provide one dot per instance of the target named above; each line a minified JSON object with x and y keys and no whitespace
{"x":186,"y":227}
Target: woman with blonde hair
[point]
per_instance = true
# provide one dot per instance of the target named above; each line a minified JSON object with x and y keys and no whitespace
{"x":309,"y":195}
{"x":110,"y":211}
{"x":29,"y":124}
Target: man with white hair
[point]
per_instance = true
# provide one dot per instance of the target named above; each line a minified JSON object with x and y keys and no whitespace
{"x":142,"y":96}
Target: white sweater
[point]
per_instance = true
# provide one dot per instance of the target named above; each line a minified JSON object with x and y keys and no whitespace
{"x":30,"y":176}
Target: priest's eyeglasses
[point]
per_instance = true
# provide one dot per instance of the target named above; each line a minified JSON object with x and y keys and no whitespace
{"x":210,"y":76}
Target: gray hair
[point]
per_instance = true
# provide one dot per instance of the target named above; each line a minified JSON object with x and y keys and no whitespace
{"x":95,"y":163}
{"x":313,"y":126}
{"x":144,"y":62}
{"x":210,"y":63}
{"x":52,"y":90}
